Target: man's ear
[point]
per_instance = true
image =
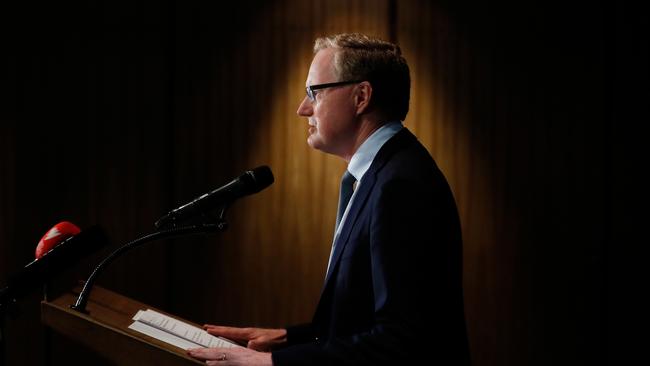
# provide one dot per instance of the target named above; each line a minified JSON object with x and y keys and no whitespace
{"x":362,"y":96}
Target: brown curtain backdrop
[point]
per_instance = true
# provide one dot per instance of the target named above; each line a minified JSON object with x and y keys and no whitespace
{"x":119,"y":111}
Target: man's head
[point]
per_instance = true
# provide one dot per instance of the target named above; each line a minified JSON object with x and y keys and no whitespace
{"x":371,"y":86}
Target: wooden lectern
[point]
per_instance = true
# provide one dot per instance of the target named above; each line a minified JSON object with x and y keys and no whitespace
{"x":105,"y":329}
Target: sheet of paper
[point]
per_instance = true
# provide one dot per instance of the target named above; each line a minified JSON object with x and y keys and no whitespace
{"x":189,"y":333}
{"x":163,"y":336}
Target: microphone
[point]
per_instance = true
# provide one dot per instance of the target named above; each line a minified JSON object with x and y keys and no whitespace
{"x":55,"y":236}
{"x":54,"y":254}
{"x":252,"y":181}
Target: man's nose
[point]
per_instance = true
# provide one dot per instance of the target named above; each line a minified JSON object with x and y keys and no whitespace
{"x":305,"y":109}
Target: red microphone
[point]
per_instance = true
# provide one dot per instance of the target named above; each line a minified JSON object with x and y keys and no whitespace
{"x":61,"y":247}
{"x":53,"y":237}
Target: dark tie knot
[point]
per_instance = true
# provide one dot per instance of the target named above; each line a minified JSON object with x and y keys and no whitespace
{"x":348,"y":179}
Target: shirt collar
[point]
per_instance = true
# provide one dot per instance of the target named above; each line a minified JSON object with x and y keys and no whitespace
{"x":365,"y":154}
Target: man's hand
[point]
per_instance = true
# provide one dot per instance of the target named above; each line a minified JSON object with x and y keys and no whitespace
{"x":233,"y":356}
{"x":259,"y":339}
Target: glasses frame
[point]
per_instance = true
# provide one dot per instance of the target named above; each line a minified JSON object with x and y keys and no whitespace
{"x":312,"y":88}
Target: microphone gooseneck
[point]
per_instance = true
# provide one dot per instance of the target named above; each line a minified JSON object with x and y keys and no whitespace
{"x":82,"y":300}
{"x":250,"y":182}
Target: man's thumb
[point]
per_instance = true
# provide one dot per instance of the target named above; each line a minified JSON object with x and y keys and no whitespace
{"x":258,"y":346}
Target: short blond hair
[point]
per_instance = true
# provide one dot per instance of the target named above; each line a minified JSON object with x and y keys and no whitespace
{"x":381,"y":63}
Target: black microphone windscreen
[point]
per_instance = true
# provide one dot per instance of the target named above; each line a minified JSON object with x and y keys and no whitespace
{"x":263,"y":178}
{"x":251,"y":181}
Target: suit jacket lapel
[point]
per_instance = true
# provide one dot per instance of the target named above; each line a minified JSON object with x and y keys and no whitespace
{"x":365,"y":187}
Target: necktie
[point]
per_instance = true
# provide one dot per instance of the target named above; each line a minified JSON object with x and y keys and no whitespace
{"x":347,"y":183}
{"x":345,"y":193}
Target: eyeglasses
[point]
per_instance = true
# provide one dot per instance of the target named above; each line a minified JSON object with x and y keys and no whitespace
{"x":312,"y":88}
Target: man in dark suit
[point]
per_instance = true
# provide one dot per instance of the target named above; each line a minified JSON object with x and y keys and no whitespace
{"x":393,"y":290}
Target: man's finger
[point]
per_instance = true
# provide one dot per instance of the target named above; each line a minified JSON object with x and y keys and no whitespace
{"x":206,"y":353}
{"x":228,"y":332}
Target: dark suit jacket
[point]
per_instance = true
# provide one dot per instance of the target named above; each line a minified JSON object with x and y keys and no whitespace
{"x":393,"y":293}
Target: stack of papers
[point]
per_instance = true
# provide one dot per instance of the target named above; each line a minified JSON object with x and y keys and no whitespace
{"x":176,"y":332}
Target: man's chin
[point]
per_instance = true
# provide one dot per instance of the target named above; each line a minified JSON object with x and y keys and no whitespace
{"x":314,"y":142}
